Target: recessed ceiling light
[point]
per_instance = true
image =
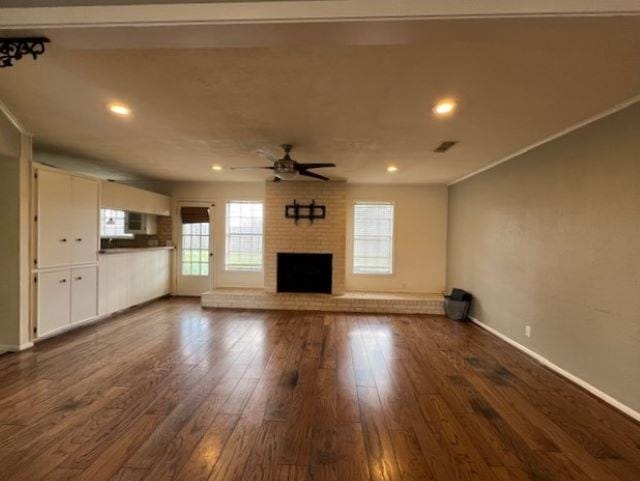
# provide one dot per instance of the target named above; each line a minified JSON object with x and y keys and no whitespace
{"x":119,"y":109}
{"x":216,"y":167}
{"x":444,"y":107}
{"x":392,"y":168}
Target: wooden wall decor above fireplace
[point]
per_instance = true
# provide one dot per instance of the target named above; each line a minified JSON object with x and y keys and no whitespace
{"x":305,"y":211}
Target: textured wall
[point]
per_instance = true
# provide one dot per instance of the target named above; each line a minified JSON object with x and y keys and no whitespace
{"x":323,"y":236}
{"x":551,"y":239}
{"x":14,"y":202}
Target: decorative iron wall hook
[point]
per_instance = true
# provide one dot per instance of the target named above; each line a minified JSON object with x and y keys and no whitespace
{"x":12,"y":49}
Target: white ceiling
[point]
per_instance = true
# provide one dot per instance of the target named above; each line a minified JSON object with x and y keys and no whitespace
{"x":359,"y":95}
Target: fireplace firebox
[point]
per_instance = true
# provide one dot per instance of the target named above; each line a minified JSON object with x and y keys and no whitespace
{"x":303,"y":272}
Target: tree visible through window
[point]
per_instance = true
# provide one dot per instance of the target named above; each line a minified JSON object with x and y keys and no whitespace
{"x":244,"y":236}
{"x":373,"y":238}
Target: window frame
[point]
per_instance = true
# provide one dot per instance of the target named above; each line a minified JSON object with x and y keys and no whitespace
{"x":392,"y":259}
{"x":235,"y":268}
{"x":124,"y":235}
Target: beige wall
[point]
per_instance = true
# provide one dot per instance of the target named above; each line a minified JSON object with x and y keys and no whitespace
{"x":551,"y":239}
{"x":420,"y":238}
{"x":15,"y":152}
{"x":219,"y":193}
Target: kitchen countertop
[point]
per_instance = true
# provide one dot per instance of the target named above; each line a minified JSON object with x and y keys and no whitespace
{"x":121,"y":250}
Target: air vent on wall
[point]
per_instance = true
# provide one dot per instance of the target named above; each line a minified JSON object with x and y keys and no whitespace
{"x":444,"y":146}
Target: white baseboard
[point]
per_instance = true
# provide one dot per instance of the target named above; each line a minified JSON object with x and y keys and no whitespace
{"x":15,"y":347}
{"x":571,"y":377}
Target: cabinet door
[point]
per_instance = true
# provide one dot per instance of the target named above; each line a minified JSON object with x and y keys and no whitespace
{"x":84,"y":293}
{"x":84,"y":236}
{"x":53,"y":301}
{"x":54,"y":219}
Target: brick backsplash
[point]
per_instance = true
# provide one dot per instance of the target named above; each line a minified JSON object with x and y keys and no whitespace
{"x":165,"y":230}
{"x":323,"y":236}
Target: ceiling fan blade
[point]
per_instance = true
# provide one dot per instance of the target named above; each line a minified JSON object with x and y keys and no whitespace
{"x":313,"y":174}
{"x":316,"y":165}
{"x":244,"y":168}
{"x":267,"y":154}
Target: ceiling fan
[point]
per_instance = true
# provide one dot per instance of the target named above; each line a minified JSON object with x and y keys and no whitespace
{"x":288,"y":169}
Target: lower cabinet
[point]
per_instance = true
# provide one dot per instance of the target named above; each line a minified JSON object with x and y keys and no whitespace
{"x":84,"y":293}
{"x":66,"y":297}
{"x":133,"y":277}
{"x":54,"y":301}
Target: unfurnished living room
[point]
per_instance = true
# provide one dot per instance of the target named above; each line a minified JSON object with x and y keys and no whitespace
{"x":310,"y":240}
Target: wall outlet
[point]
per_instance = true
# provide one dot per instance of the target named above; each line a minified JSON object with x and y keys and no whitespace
{"x":527,"y":331}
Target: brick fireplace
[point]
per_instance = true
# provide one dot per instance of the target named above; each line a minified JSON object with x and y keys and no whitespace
{"x":323,"y":236}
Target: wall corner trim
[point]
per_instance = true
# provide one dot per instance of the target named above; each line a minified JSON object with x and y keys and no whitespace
{"x":557,"y":369}
{"x":622,"y":105}
{"x":14,"y":121}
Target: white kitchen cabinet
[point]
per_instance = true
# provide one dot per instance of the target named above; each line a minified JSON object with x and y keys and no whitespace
{"x":84,"y":293}
{"x":66,"y":257}
{"x":124,"y":197}
{"x":133,"y":277}
{"x":84,"y":217}
{"x":67,"y":219}
{"x":54,"y":219}
{"x":54,"y":301}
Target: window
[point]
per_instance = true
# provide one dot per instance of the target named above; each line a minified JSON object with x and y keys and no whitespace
{"x":112,"y":223}
{"x":244,"y":236}
{"x":195,"y":249}
{"x":372,"y":238}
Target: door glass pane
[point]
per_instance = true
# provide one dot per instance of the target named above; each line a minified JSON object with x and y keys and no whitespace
{"x":195,"y":249}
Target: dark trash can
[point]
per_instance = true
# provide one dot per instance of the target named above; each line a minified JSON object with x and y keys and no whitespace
{"x":456,"y":304}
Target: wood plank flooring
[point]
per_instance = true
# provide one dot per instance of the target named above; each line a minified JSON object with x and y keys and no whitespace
{"x":172,"y":392}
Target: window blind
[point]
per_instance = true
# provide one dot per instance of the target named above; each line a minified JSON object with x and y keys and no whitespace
{"x":244,"y":222}
{"x":373,"y":238}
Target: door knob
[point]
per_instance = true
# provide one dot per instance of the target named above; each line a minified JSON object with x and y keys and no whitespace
{"x":79,"y":278}
{"x":79,"y":239}
{"x":63,"y":239}
{"x":62,"y":281}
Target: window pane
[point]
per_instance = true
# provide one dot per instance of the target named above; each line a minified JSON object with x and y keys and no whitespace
{"x":195,"y":249}
{"x":373,"y":238}
{"x":112,"y":223}
{"x":243,"y":247}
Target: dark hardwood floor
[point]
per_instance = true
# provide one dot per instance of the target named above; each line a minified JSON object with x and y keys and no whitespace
{"x":173,"y":392}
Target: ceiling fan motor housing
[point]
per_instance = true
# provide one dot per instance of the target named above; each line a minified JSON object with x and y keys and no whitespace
{"x":285,"y":167}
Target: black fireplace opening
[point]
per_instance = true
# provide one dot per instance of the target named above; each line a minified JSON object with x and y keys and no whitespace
{"x":304,"y":272}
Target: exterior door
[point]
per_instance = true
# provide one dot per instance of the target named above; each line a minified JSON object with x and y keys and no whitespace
{"x":195,"y":249}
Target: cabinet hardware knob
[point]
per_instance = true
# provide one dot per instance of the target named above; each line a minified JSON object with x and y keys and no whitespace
{"x":79,"y":239}
{"x":79,"y":278}
{"x":62,"y":281}
{"x":63,"y":239}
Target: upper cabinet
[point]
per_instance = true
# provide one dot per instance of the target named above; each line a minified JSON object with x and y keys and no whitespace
{"x":67,"y":217}
{"x":122,"y":197}
{"x":84,"y":194}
